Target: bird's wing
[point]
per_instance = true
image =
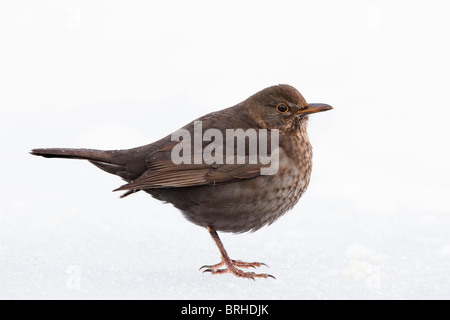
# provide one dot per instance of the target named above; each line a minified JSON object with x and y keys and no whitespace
{"x":164,"y":173}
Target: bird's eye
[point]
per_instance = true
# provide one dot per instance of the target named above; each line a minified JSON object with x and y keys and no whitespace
{"x":282,"y":108}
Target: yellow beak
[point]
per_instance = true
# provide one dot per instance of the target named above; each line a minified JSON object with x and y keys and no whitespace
{"x":314,"y":108}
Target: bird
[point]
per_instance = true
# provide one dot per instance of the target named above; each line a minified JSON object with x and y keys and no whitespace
{"x":226,"y":195}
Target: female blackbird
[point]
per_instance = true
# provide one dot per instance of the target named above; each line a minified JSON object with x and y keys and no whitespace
{"x":229,"y":194}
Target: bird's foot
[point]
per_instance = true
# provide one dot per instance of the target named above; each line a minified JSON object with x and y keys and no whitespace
{"x":231,"y":267}
{"x":236,"y":263}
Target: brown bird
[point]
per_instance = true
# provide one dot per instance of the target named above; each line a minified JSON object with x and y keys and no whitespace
{"x":225,"y":195}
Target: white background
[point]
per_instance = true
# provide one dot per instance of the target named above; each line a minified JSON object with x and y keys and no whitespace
{"x":375,"y":221}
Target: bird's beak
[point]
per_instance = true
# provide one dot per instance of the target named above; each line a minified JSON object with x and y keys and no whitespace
{"x":314,"y":108}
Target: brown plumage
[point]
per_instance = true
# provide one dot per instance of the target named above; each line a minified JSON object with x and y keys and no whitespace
{"x":226,"y":197}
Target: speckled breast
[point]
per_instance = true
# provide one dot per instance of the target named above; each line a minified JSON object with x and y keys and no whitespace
{"x":248,"y":204}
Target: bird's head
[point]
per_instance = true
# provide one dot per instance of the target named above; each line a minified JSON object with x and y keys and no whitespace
{"x":282,"y":107}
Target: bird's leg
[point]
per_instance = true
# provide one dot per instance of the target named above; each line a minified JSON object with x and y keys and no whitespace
{"x":230,"y":266}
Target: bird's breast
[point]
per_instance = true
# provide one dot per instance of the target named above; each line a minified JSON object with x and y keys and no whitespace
{"x":247,"y":204}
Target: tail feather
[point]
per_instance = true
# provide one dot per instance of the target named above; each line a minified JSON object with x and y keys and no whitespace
{"x":104,"y":160}
{"x":86,"y":154}
{"x":127,"y":164}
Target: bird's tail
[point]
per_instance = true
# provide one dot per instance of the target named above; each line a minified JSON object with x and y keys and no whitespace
{"x":114,"y":162}
{"x":85,"y":154}
{"x":108,"y":161}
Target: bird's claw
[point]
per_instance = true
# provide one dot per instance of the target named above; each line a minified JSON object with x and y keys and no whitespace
{"x":231,"y":267}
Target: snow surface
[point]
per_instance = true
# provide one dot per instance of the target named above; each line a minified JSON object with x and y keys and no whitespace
{"x":64,"y":247}
{"x":374,"y":223}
